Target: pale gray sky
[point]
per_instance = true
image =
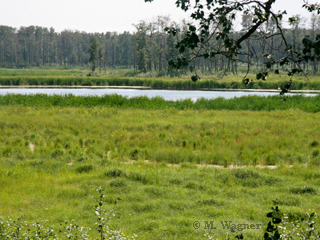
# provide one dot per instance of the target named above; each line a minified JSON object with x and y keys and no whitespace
{"x":100,"y":15}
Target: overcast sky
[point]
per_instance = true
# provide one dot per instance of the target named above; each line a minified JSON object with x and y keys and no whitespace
{"x":101,"y":15}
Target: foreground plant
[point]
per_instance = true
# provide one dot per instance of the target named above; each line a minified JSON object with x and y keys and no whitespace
{"x":18,"y":229}
{"x":279,"y":227}
{"x":103,"y":217}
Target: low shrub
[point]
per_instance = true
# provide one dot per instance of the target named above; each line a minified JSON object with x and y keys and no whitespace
{"x":303,"y":190}
{"x":115,"y":173}
{"x":84,"y":169}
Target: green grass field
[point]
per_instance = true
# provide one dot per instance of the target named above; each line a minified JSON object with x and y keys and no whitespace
{"x":160,"y":163}
{"x":42,"y":72}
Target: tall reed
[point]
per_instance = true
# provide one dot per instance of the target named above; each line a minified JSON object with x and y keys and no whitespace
{"x":252,"y":103}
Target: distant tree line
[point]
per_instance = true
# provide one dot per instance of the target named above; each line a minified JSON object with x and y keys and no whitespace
{"x":149,"y":48}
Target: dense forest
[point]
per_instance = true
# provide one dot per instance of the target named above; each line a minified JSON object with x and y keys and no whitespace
{"x":149,"y":48}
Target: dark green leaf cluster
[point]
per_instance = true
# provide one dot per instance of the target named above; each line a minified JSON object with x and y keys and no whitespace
{"x":312,"y":7}
{"x":272,"y":232}
{"x":311,"y":49}
{"x":285,"y":87}
{"x":215,"y":20}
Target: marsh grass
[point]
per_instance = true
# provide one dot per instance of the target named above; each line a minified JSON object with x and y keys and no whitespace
{"x":85,"y":135}
{"x":67,"y":79}
{"x":252,"y":103}
{"x":53,"y":158}
{"x":61,"y":76}
{"x":156,"y":201}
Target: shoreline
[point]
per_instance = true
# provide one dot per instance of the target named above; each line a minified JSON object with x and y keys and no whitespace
{"x":150,"y":88}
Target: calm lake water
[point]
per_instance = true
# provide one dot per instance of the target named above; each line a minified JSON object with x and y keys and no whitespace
{"x":165,"y":94}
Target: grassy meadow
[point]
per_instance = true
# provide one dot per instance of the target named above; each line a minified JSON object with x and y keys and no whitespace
{"x":43,"y":72}
{"x":159,"y":160}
